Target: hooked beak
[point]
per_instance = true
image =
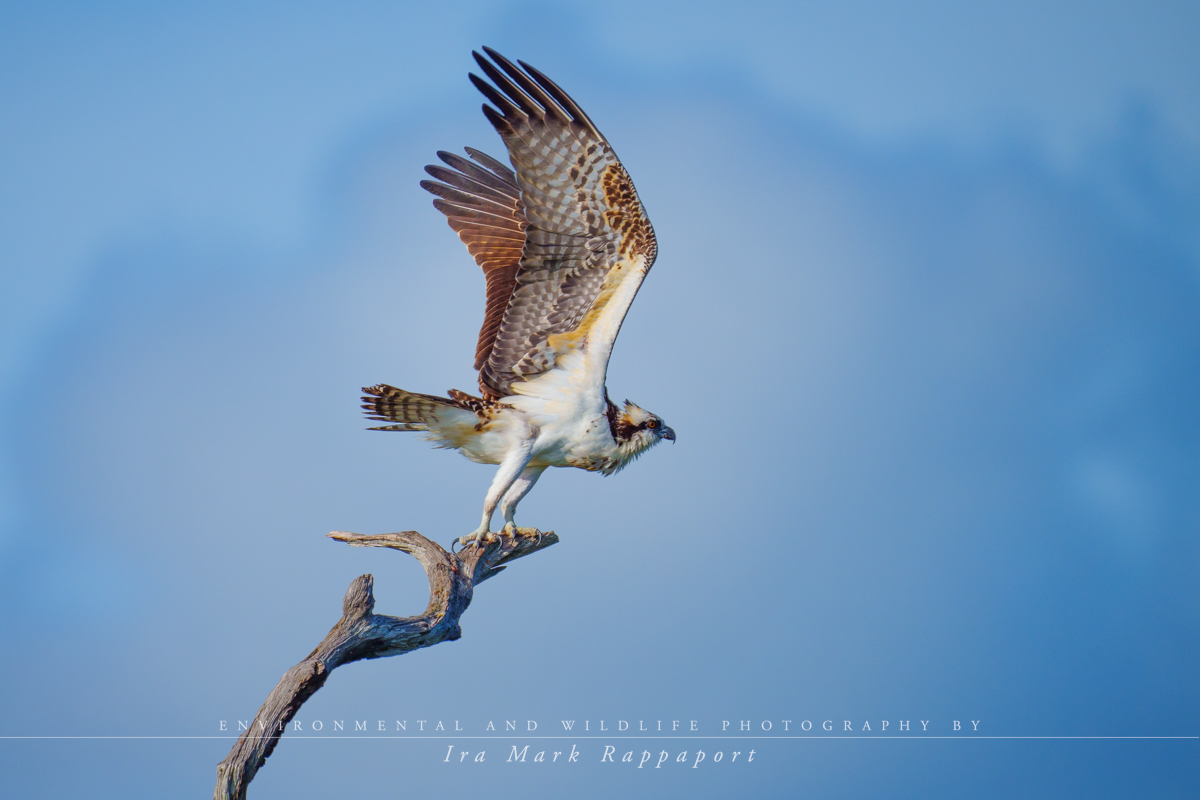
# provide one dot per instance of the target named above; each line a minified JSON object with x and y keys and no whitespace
{"x":668,"y":434}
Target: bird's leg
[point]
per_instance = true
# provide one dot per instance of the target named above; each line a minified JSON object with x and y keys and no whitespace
{"x":520,"y":488}
{"x":510,"y":468}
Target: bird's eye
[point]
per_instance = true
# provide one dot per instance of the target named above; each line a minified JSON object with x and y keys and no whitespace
{"x":652,"y":424}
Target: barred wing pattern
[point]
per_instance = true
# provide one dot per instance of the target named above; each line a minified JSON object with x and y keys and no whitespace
{"x":579,"y":214}
{"x":483,"y":206}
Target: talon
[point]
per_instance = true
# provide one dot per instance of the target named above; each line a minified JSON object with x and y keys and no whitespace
{"x":510,"y":529}
{"x":480,"y":538}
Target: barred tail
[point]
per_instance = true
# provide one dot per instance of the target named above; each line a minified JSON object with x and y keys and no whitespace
{"x":408,"y":410}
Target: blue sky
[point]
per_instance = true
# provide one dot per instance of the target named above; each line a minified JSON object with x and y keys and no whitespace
{"x":925,"y":319}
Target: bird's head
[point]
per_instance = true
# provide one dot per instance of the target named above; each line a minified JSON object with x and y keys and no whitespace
{"x":636,"y":430}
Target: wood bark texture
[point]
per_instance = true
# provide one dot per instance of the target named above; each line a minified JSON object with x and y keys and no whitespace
{"x":361,"y":633}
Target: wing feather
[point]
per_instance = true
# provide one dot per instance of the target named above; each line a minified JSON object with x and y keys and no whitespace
{"x":483,"y":206}
{"x":501,"y":180}
{"x":460,"y":189}
{"x":494,"y":166}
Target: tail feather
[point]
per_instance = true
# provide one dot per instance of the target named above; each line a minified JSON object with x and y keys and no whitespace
{"x":408,"y":411}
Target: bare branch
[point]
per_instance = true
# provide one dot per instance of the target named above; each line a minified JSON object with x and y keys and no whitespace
{"x":361,"y":633}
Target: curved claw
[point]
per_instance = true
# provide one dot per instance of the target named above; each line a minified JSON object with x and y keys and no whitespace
{"x":480,"y":538}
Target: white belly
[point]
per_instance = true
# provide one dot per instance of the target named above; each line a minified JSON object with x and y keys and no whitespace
{"x":565,"y":435}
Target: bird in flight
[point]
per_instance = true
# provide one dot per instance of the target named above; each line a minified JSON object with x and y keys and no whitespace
{"x":565,"y":244}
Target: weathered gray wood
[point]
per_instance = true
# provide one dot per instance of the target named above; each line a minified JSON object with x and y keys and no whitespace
{"x":361,"y":633}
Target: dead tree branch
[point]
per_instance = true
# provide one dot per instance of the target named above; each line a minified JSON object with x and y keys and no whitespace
{"x":361,"y":633}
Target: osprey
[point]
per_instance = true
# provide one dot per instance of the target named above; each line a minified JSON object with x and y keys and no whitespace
{"x":564,"y":244}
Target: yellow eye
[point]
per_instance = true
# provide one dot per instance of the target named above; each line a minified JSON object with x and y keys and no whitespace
{"x":652,"y":424}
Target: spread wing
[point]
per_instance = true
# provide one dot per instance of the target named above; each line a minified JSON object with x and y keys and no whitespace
{"x":483,"y":206}
{"x":586,"y":243}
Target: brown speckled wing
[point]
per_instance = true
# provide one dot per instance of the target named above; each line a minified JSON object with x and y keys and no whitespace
{"x":581,"y":214}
